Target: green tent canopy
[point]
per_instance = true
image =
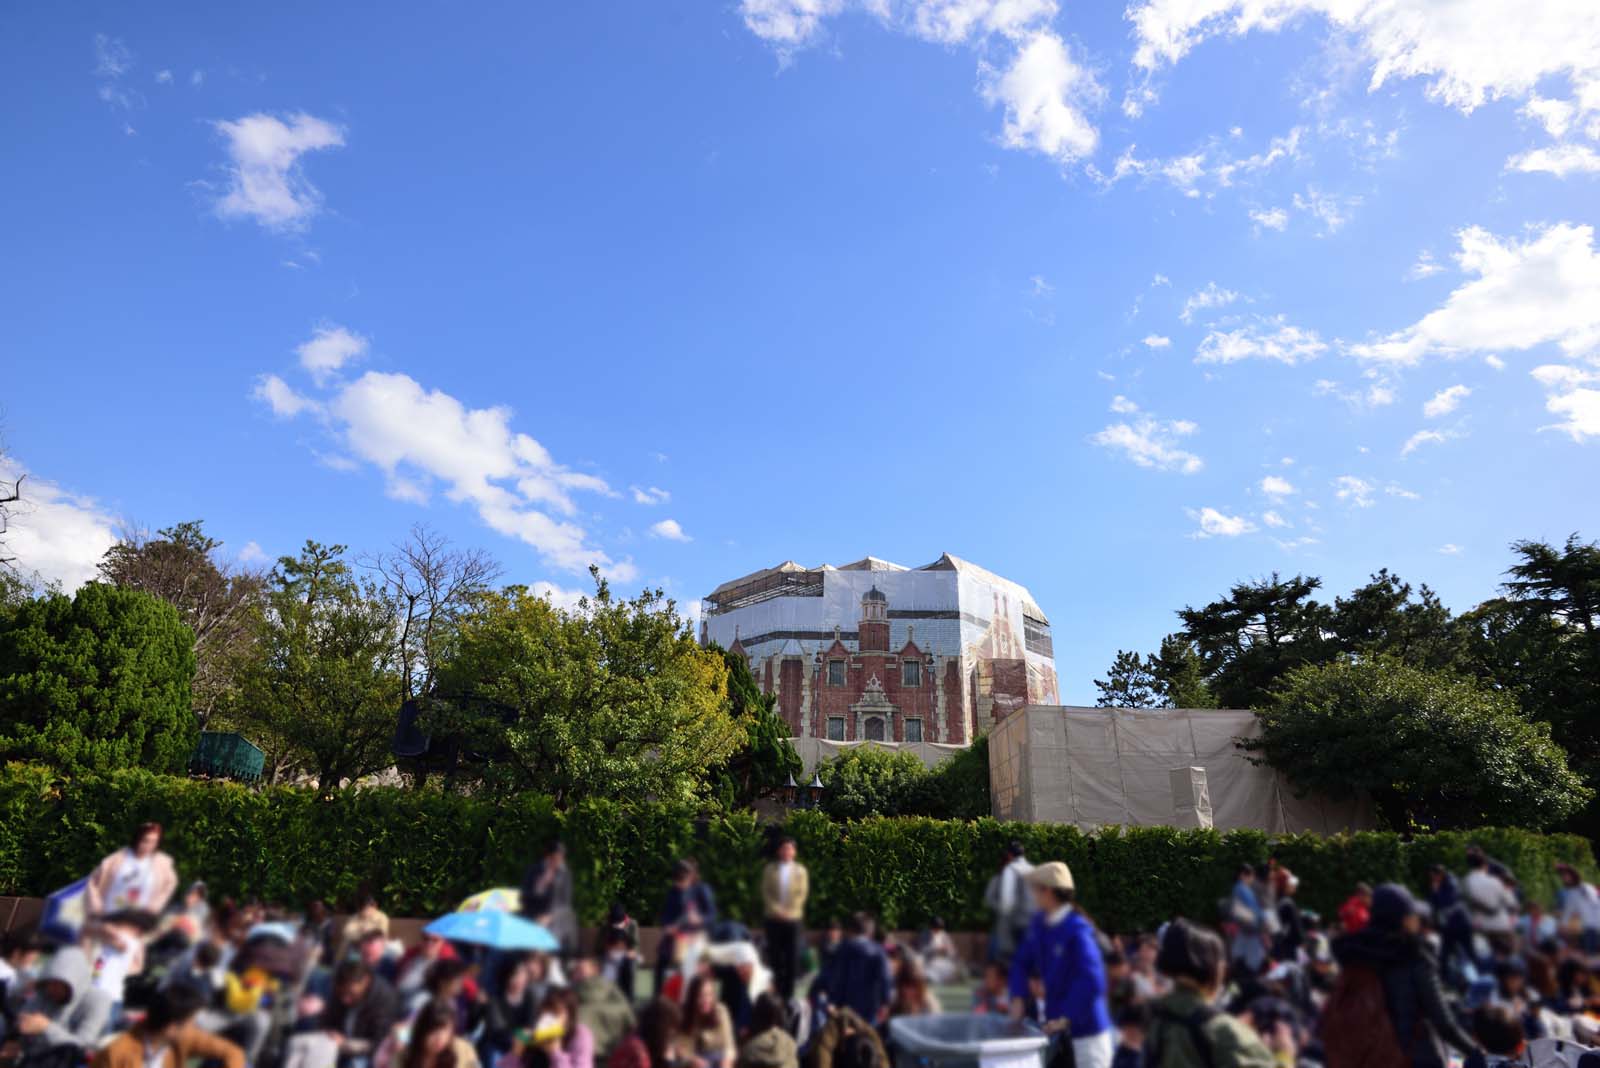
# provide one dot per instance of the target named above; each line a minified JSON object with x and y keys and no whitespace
{"x":226,"y":755}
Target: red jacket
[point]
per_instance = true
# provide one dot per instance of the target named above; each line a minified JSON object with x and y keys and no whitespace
{"x":1354,"y":914}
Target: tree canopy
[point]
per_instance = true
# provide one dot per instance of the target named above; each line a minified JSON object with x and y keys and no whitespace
{"x":97,"y":681}
{"x":321,"y":694}
{"x":765,"y":759}
{"x":612,"y":698}
{"x":1432,"y":749}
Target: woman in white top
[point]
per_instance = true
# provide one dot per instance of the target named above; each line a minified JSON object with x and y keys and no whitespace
{"x":138,"y":878}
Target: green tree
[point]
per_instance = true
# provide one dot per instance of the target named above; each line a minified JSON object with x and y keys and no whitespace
{"x":1433,"y":750}
{"x":97,"y":681}
{"x":868,"y":781}
{"x":766,"y":759}
{"x":1180,"y":675}
{"x":1383,"y":618}
{"x":217,"y":600}
{"x":1129,"y":684}
{"x":320,"y":697}
{"x":613,"y":698}
{"x":1256,"y":635}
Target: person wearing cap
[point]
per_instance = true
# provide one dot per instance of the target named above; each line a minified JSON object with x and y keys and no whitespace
{"x":1060,"y":947}
{"x":1391,"y":946}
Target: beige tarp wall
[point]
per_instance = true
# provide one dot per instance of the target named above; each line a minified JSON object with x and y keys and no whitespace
{"x":1146,"y":767}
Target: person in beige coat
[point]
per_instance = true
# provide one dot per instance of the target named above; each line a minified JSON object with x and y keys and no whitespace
{"x":139,"y":878}
{"x":784,"y":886}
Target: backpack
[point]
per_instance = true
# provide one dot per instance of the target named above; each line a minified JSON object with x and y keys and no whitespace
{"x":1356,"y":1029}
{"x":1194,"y":1024}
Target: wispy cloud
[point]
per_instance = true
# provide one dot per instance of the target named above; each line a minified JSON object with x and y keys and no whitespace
{"x":1149,"y":441}
{"x":265,"y":179}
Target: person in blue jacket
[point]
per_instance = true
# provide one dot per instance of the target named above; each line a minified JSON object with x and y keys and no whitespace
{"x":1060,"y":948}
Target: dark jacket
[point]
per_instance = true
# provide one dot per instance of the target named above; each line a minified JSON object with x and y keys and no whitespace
{"x":1291,"y":931}
{"x":502,"y":1019}
{"x":699,"y":895}
{"x":1409,"y":971}
{"x":366,"y":1023}
{"x":857,"y":978}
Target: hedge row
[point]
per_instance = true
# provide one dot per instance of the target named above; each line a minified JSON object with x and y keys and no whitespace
{"x":421,"y":853}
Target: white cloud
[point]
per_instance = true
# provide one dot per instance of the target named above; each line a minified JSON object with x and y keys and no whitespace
{"x":1572,"y":398}
{"x":649,"y":495}
{"x":1157,"y":341}
{"x":1542,"y":290}
{"x":420,"y":437}
{"x":54,"y":534}
{"x":1353,"y":491}
{"x":1424,"y":437}
{"x":1215,"y":524}
{"x":1039,"y":286}
{"x":669,"y":529}
{"x":1425,"y":267}
{"x":1267,"y":339}
{"x":1274,"y":520}
{"x":265,"y":182}
{"x":1468,"y":50}
{"x":1554,"y":115}
{"x":1329,"y":209}
{"x":1212,"y":296}
{"x":1450,"y":548}
{"x":1044,"y":93}
{"x":329,"y":349}
{"x":1446,"y":401}
{"x":281,"y":397}
{"x":1148,"y":441}
{"x":252,"y":553}
{"x":1270,"y":218}
{"x":562,"y":598}
{"x":1559,"y":160}
{"x":163,"y":77}
{"x":1495,"y":362}
{"x":1277,"y":486}
{"x":111,"y":57}
{"x":1394,"y":489}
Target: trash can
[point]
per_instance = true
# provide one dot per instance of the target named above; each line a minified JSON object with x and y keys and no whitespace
{"x":965,"y":1040}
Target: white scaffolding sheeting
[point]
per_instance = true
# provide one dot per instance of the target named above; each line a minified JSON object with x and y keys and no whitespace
{"x":1147,"y":767}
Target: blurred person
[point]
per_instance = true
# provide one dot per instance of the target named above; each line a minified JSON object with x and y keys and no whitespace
{"x":785,"y":884}
{"x":1450,"y":918}
{"x":1498,"y":1031}
{"x":167,"y":1037}
{"x":547,"y":897}
{"x":1186,"y":1030}
{"x":139,"y":876}
{"x":690,"y":909}
{"x":619,"y":948}
{"x":993,"y":995}
{"x":19,"y":957}
{"x":429,"y":1040}
{"x":1009,"y":901}
{"x":605,"y":1010}
{"x":1061,"y":947}
{"x":1248,"y":950}
{"x":512,"y":1007}
{"x":1291,"y":935}
{"x":367,"y":919}
{"x":857,"y":975}
{"x":769,"y":1044}
{"x":1133,"y":1023}
{"x":360,"y":1013}
{"x":1490,"y":900}
{"x":558,"y":1040}
{"x":912,"y":994}
{"x":411,"y":970}
{"x":707,"y":1028}
{"x":60,"y":1015}
{"x":654,"y":1043}
{"x":940,"y":961}
{"x":1356,"y":910}
{"x":1580,"y":909}
{"x":1389,"y":973}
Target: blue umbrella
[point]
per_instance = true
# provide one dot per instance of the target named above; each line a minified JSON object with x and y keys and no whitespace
{"x":497,"y":930}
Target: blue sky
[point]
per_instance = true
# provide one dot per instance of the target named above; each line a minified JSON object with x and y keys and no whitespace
{"x":1126,"y":305}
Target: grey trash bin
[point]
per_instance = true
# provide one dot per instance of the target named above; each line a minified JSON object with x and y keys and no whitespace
{"x":965,"y":1040}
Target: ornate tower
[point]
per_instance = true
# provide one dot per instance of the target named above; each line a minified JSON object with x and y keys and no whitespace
{"x":873,"y":630}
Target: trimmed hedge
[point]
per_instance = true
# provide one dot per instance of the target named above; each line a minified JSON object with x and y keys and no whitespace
{"x":422,"y":852}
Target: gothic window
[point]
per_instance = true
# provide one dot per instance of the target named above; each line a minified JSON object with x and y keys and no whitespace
{"x":874,"y":729}
{"x":911,"y":673}
{"x":836,"y":673}
{"x":835,"y":728}
{"x":913,"y":730}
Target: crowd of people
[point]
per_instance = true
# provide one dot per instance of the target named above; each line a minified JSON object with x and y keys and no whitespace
{"x":1468,"y":973}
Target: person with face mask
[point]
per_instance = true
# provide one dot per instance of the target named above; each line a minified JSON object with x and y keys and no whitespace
{"x":60,"y":1014}
{"x":1186,"y":1029}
